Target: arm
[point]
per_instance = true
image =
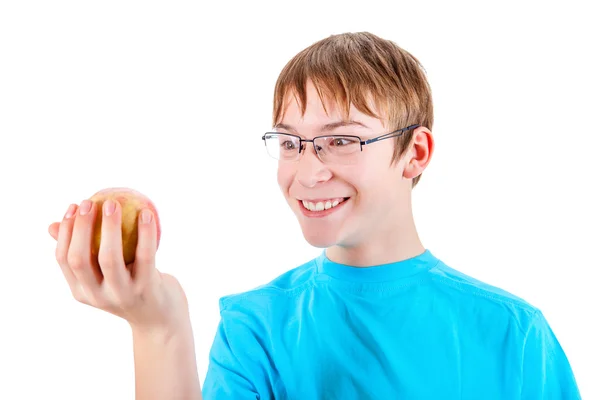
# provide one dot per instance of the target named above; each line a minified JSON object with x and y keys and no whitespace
{"x":154,"y":304}
{"x":165,"y":366}
{"x":546,"y":370}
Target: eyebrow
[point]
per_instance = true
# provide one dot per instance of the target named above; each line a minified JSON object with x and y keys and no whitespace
{"x":325,"y":128}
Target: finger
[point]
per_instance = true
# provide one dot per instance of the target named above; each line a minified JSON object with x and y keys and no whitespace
{"x":79,"y":256}
{"x":53,"y":229}
{"x":63,"y":239}
{"x":144,"y":264}
{"x":110,"y":256}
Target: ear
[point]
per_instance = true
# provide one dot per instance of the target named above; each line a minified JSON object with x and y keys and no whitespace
{"x":419,"y":153}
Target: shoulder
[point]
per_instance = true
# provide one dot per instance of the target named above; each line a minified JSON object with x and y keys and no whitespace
{"x":513,"y":325}
{"x":279,"y":290}
{"x":482,"y":296}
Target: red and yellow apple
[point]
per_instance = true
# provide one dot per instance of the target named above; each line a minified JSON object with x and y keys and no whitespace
{"x":132,"y":203}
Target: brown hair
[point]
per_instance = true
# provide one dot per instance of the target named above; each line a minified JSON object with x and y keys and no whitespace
{"x":352,"y":68}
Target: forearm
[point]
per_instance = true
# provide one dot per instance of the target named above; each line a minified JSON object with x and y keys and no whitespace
{"x":165,"y":366}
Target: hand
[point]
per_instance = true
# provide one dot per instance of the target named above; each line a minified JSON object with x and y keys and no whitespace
{"x":149,"y":300}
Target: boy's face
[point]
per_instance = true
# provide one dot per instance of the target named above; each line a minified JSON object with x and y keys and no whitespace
{"x":377,"y":194}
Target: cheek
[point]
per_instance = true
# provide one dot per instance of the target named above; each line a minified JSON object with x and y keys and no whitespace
{"x":360,"y":177}
{"x":285,"y":177}
{"x":372,"y":188}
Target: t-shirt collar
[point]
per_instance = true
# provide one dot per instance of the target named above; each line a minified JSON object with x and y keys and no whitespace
{"x":376,"y":273}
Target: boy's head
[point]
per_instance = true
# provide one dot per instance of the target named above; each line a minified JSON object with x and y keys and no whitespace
{"x":343,"y":78}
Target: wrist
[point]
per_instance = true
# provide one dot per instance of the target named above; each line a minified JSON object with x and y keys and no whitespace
{"x":161,"y":335}
{"x":165,"y":362}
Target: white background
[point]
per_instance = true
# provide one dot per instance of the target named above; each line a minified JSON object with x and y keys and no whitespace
{"x":171,"y":98}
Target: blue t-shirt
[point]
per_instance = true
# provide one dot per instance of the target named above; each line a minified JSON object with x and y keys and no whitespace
{"x":415,"y":329}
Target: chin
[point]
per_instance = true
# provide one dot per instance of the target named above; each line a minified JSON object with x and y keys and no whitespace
{"x":319,"y":241}
{"x":319,"y":238}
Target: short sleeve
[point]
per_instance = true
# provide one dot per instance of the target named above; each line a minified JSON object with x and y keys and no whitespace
{"x":226,"y":377}
{"x":546,"y":370}
{"x":240,"y":364}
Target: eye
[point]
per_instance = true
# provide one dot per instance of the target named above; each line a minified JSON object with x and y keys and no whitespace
{"x":288,"y":145}
{"x":340,"y":141}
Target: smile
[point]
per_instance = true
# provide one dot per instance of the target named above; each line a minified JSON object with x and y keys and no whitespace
{"x":321,"y":206}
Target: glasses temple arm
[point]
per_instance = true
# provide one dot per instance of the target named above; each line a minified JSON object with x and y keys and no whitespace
{"x":389,"y":135}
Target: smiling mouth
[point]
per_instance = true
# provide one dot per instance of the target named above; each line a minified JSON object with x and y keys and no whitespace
{"x":322,"y":205}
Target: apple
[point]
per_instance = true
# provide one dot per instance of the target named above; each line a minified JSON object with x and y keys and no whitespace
{"x":132,"y":203}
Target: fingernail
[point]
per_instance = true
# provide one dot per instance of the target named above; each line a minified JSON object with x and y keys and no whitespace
{"x":70,"y":211}
{"x":85,"y":207}
{"x":109,"y":207}
{"x":146,"y":216}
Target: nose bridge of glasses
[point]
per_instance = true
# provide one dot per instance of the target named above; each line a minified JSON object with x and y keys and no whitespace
{"x":313,"y":143}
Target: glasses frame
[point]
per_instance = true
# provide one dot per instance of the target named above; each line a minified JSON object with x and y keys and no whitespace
{"x":301,"y":148}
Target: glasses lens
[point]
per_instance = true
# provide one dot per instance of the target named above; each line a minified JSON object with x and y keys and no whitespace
{"x":281,"y":146}
{"x":338,"y":149}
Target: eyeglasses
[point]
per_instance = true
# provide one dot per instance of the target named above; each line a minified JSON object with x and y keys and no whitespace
{"x":332,"y":149}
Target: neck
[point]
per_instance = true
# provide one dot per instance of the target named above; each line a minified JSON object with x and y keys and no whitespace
{"x":400,"y":241}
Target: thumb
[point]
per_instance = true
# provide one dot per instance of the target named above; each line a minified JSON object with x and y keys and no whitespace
{"x":53,"y":230}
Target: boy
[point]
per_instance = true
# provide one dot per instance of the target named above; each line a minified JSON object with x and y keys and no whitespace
{"x":376,"y":315}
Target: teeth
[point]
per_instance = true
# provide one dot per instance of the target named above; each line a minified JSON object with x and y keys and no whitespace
{"x":320,"y":206}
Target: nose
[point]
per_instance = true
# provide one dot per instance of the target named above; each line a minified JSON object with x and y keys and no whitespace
{"x":311,"y":170}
